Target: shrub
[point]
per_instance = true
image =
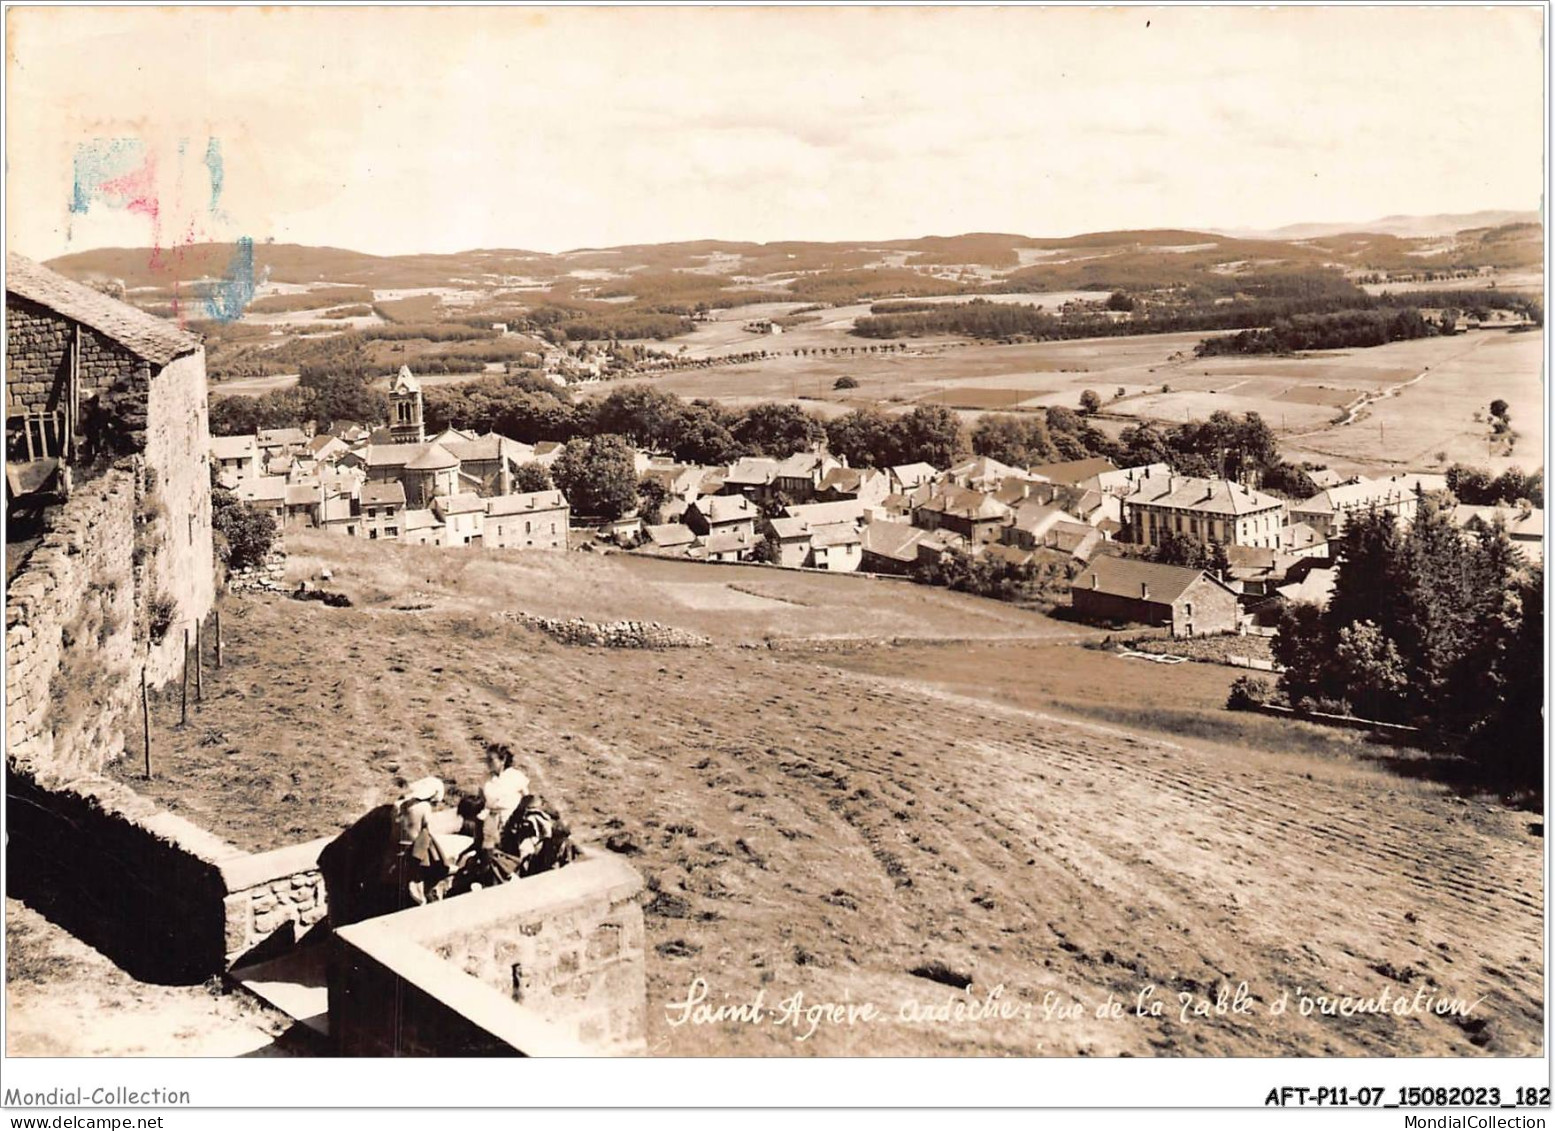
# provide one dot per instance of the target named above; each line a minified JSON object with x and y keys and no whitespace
{"x":1247,"y":692}
{"x":845,"y":383}
{"x":161,"y":612}
{"x":246,"y":535}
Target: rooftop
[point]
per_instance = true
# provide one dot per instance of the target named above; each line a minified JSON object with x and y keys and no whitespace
{"x":1130,"y":577}
{"x":1205,"y":496}
{"x":466,"y":502}
{"x":524,"y":503}
{"x":155,"y":339}
{"x":383,"y":494}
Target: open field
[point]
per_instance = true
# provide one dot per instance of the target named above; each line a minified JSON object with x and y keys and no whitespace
{"x":826,"y":817}
{"x":1435,"y":415}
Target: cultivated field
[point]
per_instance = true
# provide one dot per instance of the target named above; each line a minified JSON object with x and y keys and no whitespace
{"x":828,"y":816}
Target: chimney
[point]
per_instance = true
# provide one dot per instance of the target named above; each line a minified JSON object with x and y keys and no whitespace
{"x":1144,"y":591}
{"x":1095,"y":581}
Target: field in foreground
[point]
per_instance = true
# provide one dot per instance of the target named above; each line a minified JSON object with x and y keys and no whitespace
{"x":828,"y":817}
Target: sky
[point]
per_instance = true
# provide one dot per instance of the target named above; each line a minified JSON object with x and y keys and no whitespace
{"x":397,"y":130}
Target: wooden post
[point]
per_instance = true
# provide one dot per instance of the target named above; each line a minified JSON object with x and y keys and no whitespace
{"x":218,"y":637}
{"x":145,"y":719}
{"x":183,"y":685}
{"x":199,"y":662}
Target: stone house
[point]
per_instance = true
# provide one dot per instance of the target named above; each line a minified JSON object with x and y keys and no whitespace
{"x":463,"y":517}
{"x":722,"y":514}
{"x":799,"y":476}
{"x":381,"y":507}
{"x":237,"y":457}
{"x":1188,"y":601}
{"x":93,"y":385}
{"x":977,"y":517}
{"x":536,"y":520}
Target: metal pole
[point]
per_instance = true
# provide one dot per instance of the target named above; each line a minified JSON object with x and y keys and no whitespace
{"x":145,"y":719}
{"x":199,"y":666}
{"x":183,"y":685}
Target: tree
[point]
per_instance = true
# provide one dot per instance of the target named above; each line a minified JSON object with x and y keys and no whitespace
{"x":1500,"y":410}
{"x":651,"y":496}
{"x":244,"y":535}
{"x":598,"y":476}
{"x":1367,"y":665}
{"x":865,"y":437}
{"x":1090,"y":402}
{"x":778,"y":430}
{"x":532,"y":476}
{"x":1117,"y":300}
{"x":932,"y":434}
{"x":1018,"y":440}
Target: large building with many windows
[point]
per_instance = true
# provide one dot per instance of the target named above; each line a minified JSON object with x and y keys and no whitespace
{"x":1203,"y":510}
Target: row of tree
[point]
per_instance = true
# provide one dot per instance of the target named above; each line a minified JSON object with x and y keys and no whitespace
{"x":1428,"y":626}
{"x":1477,"y":487}
{"x":1344,"y":329}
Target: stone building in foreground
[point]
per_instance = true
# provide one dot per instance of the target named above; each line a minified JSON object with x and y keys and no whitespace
{"x":108,"y":481}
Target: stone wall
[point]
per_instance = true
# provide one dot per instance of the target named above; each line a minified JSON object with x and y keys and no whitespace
{"x":180,"y":564}
{"x":71,"y":673}
{"x":270,"y":575}
{"x":615,"y":634}
{"x":576,"y":959}
{"x":37,"y":351}
{"x":562,"y":953}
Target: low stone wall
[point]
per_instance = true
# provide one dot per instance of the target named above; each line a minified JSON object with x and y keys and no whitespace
{"x":272,"y":899}
{"x":549,"y":965}
{"x":269,"y":575}
{"x":615,"y":634}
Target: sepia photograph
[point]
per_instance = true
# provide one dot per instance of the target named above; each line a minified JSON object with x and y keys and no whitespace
{"x":945,"y":532}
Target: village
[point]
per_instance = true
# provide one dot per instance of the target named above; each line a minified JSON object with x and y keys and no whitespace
{"x":1094,"y":522}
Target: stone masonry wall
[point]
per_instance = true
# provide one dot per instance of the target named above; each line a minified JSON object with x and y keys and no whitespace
{"x":272,"y":898}
{"x":180,"y":564}
{"x":71,"y":677}
{"x":578,"y":963}
{"x":114,"y":383}
{"x":269,"y":576}
{"x":615,"y":634}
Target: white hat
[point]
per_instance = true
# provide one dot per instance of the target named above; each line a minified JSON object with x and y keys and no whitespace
{"x":425,"y":789}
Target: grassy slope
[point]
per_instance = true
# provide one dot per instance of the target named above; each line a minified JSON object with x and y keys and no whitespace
{"x":827,"y":820}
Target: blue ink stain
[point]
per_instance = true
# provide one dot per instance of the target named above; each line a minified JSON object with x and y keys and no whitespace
{"x":217,"y":167}
{"x":232,"y":293}
{"x":99,"y":162}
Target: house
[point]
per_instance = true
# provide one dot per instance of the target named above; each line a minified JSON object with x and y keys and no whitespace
{"x":381,"y":507}
{"x":463,"y":517}
{"x":1080,"y":541}
{"x":1188,"y":601}
{"x":792,"y":536}
{"x":275,"y":442}
{"x":1031,"y":524}
{"x":1302,"y":541}
{"x":721,"y":514}
{"x":325,"y":448}
{"x":824,"y":514}
{"x":337,"y":513}
{"x":732,"y":545}
{"x":799,"y":476}
{"x":752,"y":477}
{"x":836,"y":546}
{"x":889,"y":547}
{"x":669,"y":537}
{"x":1398,"y":495}
{"x":236,"y":457}
{"x":1326,"y":477}
{"x":865,"y":484}
{"x":1203,"y":510}
{"x":88,"y":380}
{"x":1120,"y":482}
{"x":982,"y":473}
{"x":266,"y":494}
{"x":536,"y":520}
{"x":911,"y":475}
{"x":302,"y":503}
{"x":971,"y":514}
{"x":423,"y":528}
{"x":1075,"y":471}
{"x":1524,"y":526}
